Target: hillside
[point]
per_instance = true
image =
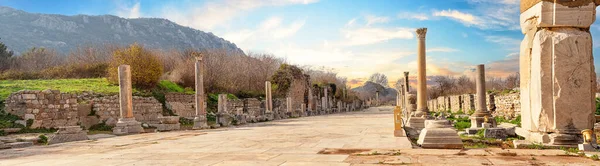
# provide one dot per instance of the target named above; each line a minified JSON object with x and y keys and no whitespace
{"x":369,"y":88}
{"x":21,"y":30}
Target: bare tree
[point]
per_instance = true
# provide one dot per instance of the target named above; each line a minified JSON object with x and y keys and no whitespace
{"x":380,"y":79}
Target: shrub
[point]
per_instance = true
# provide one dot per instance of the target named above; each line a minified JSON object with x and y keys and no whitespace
{"x":75,"y":71}
{"x":170,"y":86}
{"x":43,"y":139}
{"x":186,"y":122}
{"x":19,"y":75}
{"x":146,"y":68}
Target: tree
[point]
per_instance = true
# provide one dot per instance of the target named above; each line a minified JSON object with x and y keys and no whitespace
{"x":5,"y":56}
{"x":399,"y":83}
{"x":379,"y":79}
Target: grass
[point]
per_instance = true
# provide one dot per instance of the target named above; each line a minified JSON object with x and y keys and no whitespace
{"x":97,"y":85}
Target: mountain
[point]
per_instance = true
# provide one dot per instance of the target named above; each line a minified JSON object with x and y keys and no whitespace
{"x":369,"y":88}
{"x":21,"y":30}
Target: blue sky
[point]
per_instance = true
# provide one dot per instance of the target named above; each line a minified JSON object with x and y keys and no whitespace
{"x":355,"y":38}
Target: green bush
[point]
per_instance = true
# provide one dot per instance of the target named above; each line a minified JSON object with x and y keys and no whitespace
{"x":8,"y":121}
{"x":461,"y":125}
{"x":146,"y":68}
{"x":597,"y":106}
{"x":43,"y":139}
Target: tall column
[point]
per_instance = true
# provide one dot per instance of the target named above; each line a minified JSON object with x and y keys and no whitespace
{"x":377,"y":98}
{"x":200,"y":121}
{"x":268,"y":101}
{"x":421,"y":77}
{"x":558,"y":78}
{"x":478,"y":117}
{"x":125,"y":96}
{"x":310,"y":101}
{"x":127,"y":123}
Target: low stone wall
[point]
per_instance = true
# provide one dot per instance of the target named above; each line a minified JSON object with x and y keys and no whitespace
{"x":506,"y":105}
{"x":53,"y":109}
{"x":181,"y":104}
{"x":145,"y":109}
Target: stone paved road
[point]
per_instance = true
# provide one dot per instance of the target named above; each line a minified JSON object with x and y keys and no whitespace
{"x":284,"y":142}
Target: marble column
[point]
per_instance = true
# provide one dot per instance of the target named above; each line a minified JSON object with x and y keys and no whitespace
{"x":558,"y":78}
{"x":421,"y":77}
{"x":477,"y":118}
{"x":126,"y":123}
{"x":200,"y":121}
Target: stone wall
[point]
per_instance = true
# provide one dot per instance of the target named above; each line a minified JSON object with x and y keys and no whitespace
{"x":181,"y":104}
{"x":53,"y":109}
{"x":145,"y":109}
{"x":506,"y":105}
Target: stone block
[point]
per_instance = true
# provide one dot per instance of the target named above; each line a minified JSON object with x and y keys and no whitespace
{"x":67,"y":137}
{"x":548,"y":14}
{"x":472,"y":131}
{"x":586,"y":148}
{"x":166,"y":127}
{"x":19,"y":144}
{"x":439,"y":138}
{"x":498,"y":133}
{"x":418,"y":123}
{"x":509,"y":128}
{"x":169,"y":120}
{"x":127,"y":126}
{"x":561,"y":93}
{"x":69,"y":129}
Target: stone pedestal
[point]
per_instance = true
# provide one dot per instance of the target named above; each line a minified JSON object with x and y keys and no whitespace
{"x":200,"y":122}
{"x":167,"y":123}
{"x":558,"y":79}
{"x":127,"y":126}
{"x":417,"y":123}
{"x":438,"y":134}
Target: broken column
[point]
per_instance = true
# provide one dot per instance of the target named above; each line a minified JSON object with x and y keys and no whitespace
{"x":557,"y":71}
{"x":310,"y":102}
{"x":325,"y":102}
{"x":223,"y":117}
{"x":418,"y":119}
{"x":200,"y":121}
{"x":481,"y":112}
{"x":126,"y":123}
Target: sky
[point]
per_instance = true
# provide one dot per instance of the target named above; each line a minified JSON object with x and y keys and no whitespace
{"x":353,"y":38}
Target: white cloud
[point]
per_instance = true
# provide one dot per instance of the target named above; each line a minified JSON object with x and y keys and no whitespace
{"x":413,"y":16}
{"x":270,"y":29}
{"x":128,"y":12}
{"x":371,"y":19}
{"x":213,"y":14}
{"x":465,"y":18}
{"x":367,"y":35}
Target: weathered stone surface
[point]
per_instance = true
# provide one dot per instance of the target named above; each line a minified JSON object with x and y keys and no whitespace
{"x":498,"y":133}
{"x":169,"y":120}
{"x":67,"y":137}
{"x":439,"y":138}
{"x":561,"y":73}
{"x":166,"y":127}
{"x":549,"y":14}
{"x":127,"y":126}
{"x":526,"y":4}
{"x":509,"y":128}
{"x":19,"y":144}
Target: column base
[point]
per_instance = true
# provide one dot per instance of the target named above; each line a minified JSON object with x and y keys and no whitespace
{"x":417,"y":123}
{"x":477,"y":121}
{"x":127,"y":126}
{"x":439,"y":135}
{"x":200,"y":122}
{"x":224,"y":119}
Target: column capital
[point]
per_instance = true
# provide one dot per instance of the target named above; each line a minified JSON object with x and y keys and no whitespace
{"x":421,"y":32}
{"x":405,"y":74}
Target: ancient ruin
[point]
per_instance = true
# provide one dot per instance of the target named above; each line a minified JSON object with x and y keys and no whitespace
{"x":127,"y":123}
{"x":417,"y":120}
{"x":557,"y":71}
{"x":481,"y":115}
{"x":200,"y":121}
